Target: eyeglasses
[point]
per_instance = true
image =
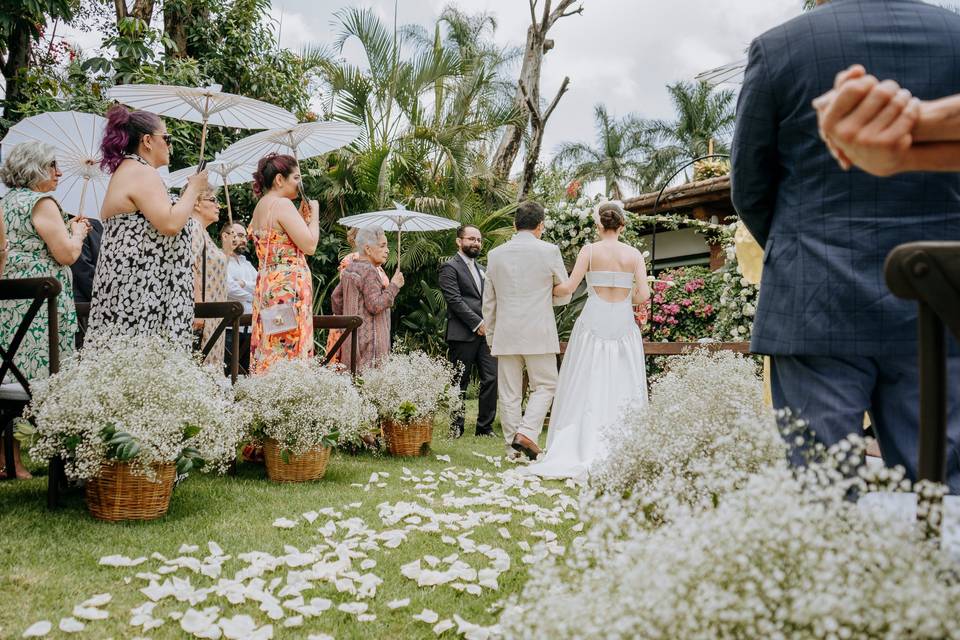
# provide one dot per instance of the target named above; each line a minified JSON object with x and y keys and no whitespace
{"x":167,"y":138}
{"x":53,"y":165}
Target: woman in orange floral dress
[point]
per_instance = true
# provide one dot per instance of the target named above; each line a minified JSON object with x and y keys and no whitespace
{"x":283,"y":237}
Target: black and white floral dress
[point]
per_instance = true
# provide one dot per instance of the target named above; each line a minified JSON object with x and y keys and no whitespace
{"x":143,"y":283}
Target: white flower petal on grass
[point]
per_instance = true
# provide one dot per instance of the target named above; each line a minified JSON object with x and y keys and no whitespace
{"x":293,"y":621}
{"x":238,"y":627}
{"x":321,"y":604}
{"x":188,"y":548}
{"x":444,"y":625}
{"x":97,"y":601}
{"x":369,"y":563}
{"x":443,"y":458}
{"x":353,"y":607}
{"x":215,"y":549}
{"x":38,"y":629}
{"x":427,"y":615}
{"x":202,"y":624}
{"x":120,"y":561}
{"x":366,"y":617}
{"x":284,"y":523}
{"x":398,"y":604}
{"x":71,"y":625}
{"x":319,"y":636}
{"x":90,"y":613}
{"x":310,"y":516}
{"x":504,"y":533}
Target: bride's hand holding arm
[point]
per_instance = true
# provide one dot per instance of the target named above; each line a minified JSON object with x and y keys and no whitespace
{"x":568,"y":286}
{"x":641,"y":290}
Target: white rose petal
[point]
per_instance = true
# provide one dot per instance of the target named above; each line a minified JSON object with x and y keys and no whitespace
{"x":427,"y":616}
{"x":90,"y":613}
{"x":38,"y":629}
{"x":97,"y":601}
{"x":353,"y":607}
{"x":284,"y":523}
{"x":444,"y":625}
{"x":71,"y":625}
{"x":397,"y":604}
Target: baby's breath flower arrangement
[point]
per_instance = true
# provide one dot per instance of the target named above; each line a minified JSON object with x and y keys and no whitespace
{"x":738,"y":300}
{"x":704,"y":432}
{"x":410,"y":387}
{"x":780,"y":557}
{"x":140,"y":400}
{"x":303,"y":405}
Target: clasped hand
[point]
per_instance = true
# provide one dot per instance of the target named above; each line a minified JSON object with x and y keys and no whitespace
{"x":866,"y":122}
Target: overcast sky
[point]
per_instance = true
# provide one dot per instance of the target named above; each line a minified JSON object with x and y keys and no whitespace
{"x":619,"y":52}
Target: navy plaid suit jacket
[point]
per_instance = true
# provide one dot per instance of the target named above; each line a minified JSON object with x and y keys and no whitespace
{"x":826,"y":232}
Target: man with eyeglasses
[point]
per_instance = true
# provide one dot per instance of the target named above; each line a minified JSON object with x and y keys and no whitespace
{"x":241,"y":281}
{"x":462,"y":283}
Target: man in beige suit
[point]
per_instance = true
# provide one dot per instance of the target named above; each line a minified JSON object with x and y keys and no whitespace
{"x":520,"y":328}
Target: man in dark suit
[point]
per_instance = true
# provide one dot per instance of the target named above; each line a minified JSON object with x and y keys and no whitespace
{"x":462,"y":282}
{"x":840,"y":342}
{"x":83,"y":270}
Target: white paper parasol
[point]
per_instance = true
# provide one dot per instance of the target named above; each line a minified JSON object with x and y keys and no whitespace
{"x":222,"y":172}
{"x":207,"y":105}
{"x":76,"y":139}
{"x":305,"y":140}
{"x":399,"y":219}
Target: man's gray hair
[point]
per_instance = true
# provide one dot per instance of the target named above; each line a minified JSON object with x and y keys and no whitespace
{"x":27,"y":165}
{"x":369,"y":237}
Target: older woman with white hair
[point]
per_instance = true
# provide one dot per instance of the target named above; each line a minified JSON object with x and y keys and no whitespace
{"x":41,"y":242}
{"x":361,"y":292}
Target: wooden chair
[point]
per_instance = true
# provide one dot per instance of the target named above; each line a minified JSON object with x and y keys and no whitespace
{"x":15,"y":395}
{"x":349,"y":325}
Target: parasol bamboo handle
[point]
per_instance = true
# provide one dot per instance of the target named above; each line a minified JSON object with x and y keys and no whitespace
{"x":226,"y":190}
{"x":83,"y":194}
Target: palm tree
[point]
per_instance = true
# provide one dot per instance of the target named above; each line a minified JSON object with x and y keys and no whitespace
{"x":704,"y":114}
{"x":619,"y":156}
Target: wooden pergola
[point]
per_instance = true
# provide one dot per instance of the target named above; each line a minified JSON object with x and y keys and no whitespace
{"x":701,"y":200}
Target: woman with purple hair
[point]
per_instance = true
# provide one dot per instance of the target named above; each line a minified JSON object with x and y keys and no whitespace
{"x":143,"y":284}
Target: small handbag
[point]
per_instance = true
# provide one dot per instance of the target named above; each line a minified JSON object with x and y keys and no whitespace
{"x":280,"y":317}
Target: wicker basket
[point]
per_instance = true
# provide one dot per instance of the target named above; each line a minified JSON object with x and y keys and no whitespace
{"x":302,"y":468}
{"x":411,"y":439}
{"x":117,"y":494}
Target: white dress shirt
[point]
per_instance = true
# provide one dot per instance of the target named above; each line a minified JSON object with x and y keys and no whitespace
{"x":473,"y":269}
{"x":477,"y":277}
{"x":241,"y":282}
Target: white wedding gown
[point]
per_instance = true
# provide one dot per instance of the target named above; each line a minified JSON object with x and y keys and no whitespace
{"x":603,"y":369}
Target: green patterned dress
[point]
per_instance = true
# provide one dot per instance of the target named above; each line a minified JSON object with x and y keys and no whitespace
{"x":30,"y":258}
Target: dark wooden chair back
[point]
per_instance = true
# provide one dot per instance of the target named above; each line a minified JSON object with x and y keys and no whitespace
{"x":929,"y":272}
{"x":14,"y":398}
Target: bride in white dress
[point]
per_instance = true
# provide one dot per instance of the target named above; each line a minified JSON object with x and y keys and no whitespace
{"x":603,"y":366}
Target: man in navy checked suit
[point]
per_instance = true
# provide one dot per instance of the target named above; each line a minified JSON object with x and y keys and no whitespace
{"x":840,"y":342}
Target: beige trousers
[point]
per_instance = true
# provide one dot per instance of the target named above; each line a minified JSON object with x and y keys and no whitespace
{"x":542,"y":374}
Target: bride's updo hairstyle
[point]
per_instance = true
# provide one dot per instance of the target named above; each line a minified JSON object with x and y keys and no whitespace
{"x":610,"y":216}
{"x":123,"y":133}
{"x":269,"y":167}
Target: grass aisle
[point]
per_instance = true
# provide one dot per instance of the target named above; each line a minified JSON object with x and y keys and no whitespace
{"x":49,"y":560}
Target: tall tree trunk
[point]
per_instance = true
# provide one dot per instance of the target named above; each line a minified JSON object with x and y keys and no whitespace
{"x":529,"y":81}
{"x":175,"y":17}
{"x":17,"y":60}
{"x":538,"y":124}
{"x":142,"y":10}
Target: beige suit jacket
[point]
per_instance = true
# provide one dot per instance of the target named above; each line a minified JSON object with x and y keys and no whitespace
{"x":518,"y":296}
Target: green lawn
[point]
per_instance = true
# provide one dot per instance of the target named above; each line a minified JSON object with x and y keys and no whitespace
{"x":49,"y":560}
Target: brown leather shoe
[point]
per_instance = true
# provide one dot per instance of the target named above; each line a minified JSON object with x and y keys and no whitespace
{"x":526,"y":446}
